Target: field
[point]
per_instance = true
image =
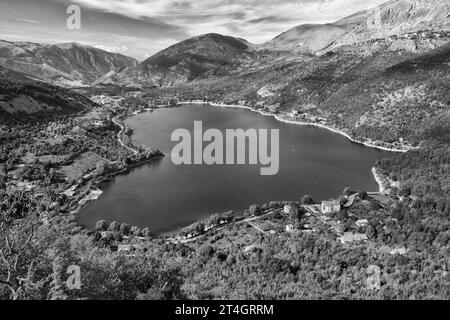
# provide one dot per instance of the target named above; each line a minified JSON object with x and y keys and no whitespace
{"x":84,"y":163}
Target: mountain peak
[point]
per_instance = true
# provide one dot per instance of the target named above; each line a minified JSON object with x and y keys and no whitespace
{"x":203,"y":55}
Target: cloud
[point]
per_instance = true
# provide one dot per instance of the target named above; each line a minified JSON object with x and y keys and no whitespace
{"x":234,"y":17}
{"x":111,"y":48}
{"x":147,"y":26}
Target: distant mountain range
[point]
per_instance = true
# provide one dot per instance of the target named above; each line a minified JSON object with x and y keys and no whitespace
{"x":214,"y":55}
{"x":409,"y":25}
{"x":356,"y":72}
{"x":64,"y":64}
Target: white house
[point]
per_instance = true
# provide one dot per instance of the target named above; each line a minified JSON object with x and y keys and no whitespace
{"x":362,"y":223}
{"x":349,"y":237}
{"x":290,"y":228}
{"x":331,"y":206}
{"x":287,"y":208}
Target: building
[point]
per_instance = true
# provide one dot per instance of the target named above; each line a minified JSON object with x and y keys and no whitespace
{"x":362,"y":223}
{"x":331,"y":206}
{"x":287,"y":208}
{"x":290,"y":228}
{"x":349,"y":237}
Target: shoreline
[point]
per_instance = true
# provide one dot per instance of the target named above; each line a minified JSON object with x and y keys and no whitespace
{"x":381,"y":187}
{"x":378,"y":178}
{"x":318,"y":125}
{"x":96,"y":191}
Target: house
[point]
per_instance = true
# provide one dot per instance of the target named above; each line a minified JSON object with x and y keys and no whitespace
{"x":287,"y":208}
{"x":349,"y":237}
{"x":331,"y":206}
{"x":290,"y":228}
{"x":400,"y":251}
{"x":362,"y":223}
{"x":128,"y":248}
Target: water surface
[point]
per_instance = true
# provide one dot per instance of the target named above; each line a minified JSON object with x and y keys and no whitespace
{"x":165,"y":197}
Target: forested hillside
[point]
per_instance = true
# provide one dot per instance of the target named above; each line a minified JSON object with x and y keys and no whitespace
{"x":23,"y":99}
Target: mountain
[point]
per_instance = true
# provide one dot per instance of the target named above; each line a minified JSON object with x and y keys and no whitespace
{"x":305,"y":38}
{"x":413,"y":25}
{"x":313,"y":37}
{"x":199,"y":57}
{"x":24,"y":99}
{"x":397,"y":17}
{"x":63,"y":64}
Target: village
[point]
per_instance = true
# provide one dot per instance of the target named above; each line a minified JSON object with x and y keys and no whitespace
{"x":348,"y":220}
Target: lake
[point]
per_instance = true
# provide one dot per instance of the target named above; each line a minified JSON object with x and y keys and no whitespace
{"x":166,"y":197}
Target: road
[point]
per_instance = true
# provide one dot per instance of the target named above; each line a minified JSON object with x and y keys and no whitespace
{"x":122,"y":129}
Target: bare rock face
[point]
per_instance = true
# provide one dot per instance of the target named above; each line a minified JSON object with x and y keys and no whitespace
{"x":70,"y":62}
{"x":305,"y":38}
{"x":407,"y":19}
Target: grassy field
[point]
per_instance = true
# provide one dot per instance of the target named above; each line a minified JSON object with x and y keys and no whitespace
{"x":84,"y":163}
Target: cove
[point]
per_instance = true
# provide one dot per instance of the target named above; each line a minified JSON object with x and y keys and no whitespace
{"x":165,"y":197}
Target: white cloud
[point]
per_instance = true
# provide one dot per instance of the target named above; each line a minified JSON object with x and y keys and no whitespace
{"x":140,"y":27}
{"x":255,"y":20}
{"x":111,"y":48}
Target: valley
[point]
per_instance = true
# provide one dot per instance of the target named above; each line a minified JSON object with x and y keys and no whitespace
{"x":66,"y":144}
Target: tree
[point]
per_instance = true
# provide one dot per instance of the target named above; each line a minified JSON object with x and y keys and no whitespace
{"x":114,"y":226}
{"x":2,"y":182}
{"x":371,"y":232}
{"x":136,"y":231}
{"x":101,"y":225}
{"x":363,"y":195}
{"x":254,"y":210}
{"x":307,"y":200}
{"x":296,"y":214}
{"x":125,"y":229}
{"x":146,"y":232}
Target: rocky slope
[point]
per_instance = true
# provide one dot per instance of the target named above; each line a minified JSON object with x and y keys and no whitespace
{"x":310,"y":38}
{"x":413,"y":25}
{"x":63,"y":64}
{"x":305,"y":38}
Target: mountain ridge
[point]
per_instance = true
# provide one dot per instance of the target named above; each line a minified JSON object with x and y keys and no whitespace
{"x":59,"y":63}
{"x":198,"y":57}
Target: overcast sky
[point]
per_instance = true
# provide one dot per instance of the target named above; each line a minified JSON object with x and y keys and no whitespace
{"x":140,"y":28}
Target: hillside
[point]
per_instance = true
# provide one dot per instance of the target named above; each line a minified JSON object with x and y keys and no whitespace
{"x":381,"y":96}
{"x":305,"y":38}
{"x":410,"y":24}
{"x":63,"y":64}
{"x":23,"y":99}
{"x":195,"y":58}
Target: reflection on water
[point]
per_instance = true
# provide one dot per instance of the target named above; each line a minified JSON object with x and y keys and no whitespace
{"x":165,"y":197}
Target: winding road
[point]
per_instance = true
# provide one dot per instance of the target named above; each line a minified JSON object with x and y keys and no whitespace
{"x":122,"y":129}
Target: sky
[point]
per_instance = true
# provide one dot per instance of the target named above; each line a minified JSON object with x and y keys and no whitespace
{"x":140,"y":28}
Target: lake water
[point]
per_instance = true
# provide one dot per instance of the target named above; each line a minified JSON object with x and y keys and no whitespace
{"x":165,"y":197}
